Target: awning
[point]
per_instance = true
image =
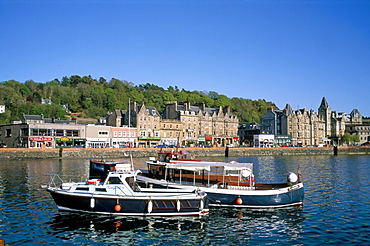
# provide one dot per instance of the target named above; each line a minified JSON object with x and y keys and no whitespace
{"x":198,"y":166}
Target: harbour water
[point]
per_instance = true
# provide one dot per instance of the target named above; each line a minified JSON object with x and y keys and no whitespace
{"x":336,"y":208}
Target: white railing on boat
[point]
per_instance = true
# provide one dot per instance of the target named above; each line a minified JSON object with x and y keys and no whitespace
{"x":232,"y":187}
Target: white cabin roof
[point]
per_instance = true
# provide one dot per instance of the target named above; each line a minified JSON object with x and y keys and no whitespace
{"x":198,"y":166}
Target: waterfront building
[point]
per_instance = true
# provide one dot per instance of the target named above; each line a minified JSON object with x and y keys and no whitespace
{"x":147,"y":121}
{"x":204,"y":126}
{"x":246,"y":131}
{"x":123,"y":136}
{"x":35,"y":131}
{"x":264,"y":140}
{"x":171,"y":130}
{"x":299,"y":127}
{"x":305,"y":127}
{"x":355,"y":126}
{"x":98,"y":136}
{"x":52,"y":133}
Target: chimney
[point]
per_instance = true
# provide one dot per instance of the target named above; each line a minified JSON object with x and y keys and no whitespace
{"x":202,"y":106}
{"x":188,"y":105}
{"x":226,"y":109}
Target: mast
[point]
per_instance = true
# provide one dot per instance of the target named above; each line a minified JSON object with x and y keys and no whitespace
{"x":129,"y":132}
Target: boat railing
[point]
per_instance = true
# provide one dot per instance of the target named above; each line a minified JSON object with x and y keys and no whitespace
{"x":55,"y":181}
{"x":232,"y":187}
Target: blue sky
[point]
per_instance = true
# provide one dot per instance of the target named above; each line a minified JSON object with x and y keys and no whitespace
{"x":282,"y":51}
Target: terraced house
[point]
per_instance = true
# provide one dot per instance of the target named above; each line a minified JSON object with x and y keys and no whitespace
{"x":204,"y":126}
{"x":180,"y":123}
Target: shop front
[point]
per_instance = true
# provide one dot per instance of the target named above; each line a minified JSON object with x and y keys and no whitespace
{"x":66,"y":142}
{"x":40,"y":142}
{"x":208,"y":141}
{"x":97,"y":143}
{"x":148,"y":142}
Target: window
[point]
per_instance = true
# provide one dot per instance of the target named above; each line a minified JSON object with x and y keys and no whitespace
{"x":34,"y":132}
{"x":100,"y":190}
{"x":103,"y":133}
{"x":72,"y":133}
{"x":82,"y":189}
{"x":114,"y":180}
{"x":59,"y":132}
{"x":8,"y":132}
{"x":42,"y":132}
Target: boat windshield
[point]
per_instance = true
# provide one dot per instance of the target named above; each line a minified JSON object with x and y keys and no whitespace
{"x":114,"y":180}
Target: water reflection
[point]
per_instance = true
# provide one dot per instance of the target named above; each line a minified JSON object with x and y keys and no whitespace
{"x":335,"y":208}
{"x":241,"y":226}
{"x":122,"y":230}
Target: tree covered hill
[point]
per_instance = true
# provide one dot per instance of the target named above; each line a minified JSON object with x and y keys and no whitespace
{"x":92,"y":98}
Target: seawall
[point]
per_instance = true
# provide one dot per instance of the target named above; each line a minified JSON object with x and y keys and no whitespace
{"x":15,"y":153}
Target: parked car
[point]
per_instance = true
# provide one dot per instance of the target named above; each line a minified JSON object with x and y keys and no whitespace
{"x":2,"y":145}
{"x":160,"y":146}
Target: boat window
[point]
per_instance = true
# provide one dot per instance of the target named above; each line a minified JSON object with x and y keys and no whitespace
{"x":82,"y":188}
{"x":114,"y":180}
{"x":101,"y":190}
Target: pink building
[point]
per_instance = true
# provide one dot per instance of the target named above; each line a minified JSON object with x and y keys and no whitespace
{"x":123,"y":136}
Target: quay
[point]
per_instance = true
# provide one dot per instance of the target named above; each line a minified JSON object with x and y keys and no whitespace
{"x":21,"y":153}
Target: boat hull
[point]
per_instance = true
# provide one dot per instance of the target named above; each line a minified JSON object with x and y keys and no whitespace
{"x":128,"y":206}
{"x":248,"y":198}
{"x":266,"y":199}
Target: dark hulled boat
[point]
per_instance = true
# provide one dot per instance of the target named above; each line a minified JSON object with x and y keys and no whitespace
{"x":119,"y":194}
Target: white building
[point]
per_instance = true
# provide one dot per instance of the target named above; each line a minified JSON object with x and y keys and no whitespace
{"x":264,"y":140}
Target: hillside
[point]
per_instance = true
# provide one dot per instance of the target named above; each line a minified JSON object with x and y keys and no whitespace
{"x":86,"y":97}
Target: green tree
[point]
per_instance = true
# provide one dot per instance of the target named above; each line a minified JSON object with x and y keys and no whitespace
{"x":347,"y":138}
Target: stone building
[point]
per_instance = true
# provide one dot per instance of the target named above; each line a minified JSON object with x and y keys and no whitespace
{"x":171,"y":130}
{"x":146,"y":121}
{"x":356,"y":126}
{"x":307,"y":127}
{"x":204,"y":126}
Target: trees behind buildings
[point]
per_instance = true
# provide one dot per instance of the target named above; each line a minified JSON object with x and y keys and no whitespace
{"x":93,"y":98}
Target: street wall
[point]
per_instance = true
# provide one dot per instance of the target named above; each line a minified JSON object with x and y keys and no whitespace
{"x":10,"y":153}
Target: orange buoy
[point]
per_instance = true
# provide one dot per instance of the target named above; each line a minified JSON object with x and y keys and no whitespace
{"x":117,"y":208}
{"x":238,"y":201}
